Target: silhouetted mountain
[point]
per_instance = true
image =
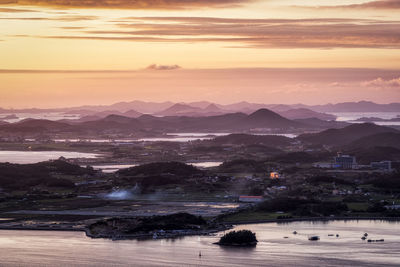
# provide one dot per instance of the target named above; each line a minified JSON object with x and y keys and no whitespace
{"x":161,"y":168}
{"x":36,"y":126}
{"x":132,"y":114}
{"x":212,"y":108}
{"x":247,"y":139}
{"x":178,"y":109}
{"x":110,"y":124}
{"x":361,"y":106}
{"x":374,"y":119}
{"x":390,"y":139}
{"x":366,"y":155}
{"x":303,"y":113}
{"x":265,"y":118}
{"x":346,"y":135}
{"x":322,"y":124}
{"x":140,"y":106}
{"x":44,"y":174}
{"x":296,"y":157}
{"x":200,"y":104}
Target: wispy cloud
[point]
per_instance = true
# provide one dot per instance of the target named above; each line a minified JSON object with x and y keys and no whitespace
{"x":68,"y":18}
{"x":132,"y":4}
{"x":377,"y":4}
{"x":15,"y":10}
{"x":254,"y":33}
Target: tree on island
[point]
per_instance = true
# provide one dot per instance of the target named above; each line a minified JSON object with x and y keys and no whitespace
{"x":239,"y":238}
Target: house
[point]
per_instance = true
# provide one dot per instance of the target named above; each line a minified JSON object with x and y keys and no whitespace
{"x":251,"y":199}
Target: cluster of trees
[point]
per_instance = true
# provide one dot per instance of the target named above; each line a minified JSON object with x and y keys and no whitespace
{"x":25,"y":176}
{"x":158,"y":168}
{"x":242,"y":237}
{"x":302,"y":207}
{"x":178,"y":221}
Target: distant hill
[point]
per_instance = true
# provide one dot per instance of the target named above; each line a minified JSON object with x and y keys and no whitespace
{"x":245,"y":107}
{"x":110,"y":124}
{"x":366,"y":155}
{"x":390,"y":139}
{"x":247,"y":139}
{"x":296,"y":157}
{"x":178,"y":109}
{"x":37,"y":126}
{"x":346,"y":135}
{"x":43,"y":174}
{"x":322,"y":124}
{"x":374,"y":119}
{"x":140,"y":106}
{"x":361,"y":106}
{"x":265,"y":118}
{"x":113,"y":124}
{"x":181,"y":109}
{"x":161,"y":168}
{"x":303,"y":113}
{"x":133,"y":113}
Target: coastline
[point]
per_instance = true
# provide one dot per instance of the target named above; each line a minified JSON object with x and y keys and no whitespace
{"x":341,"y":218}
{"x":190,"y":233}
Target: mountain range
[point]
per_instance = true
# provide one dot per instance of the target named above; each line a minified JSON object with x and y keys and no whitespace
{"x":204,"y":107}
{"x":260,"y":120}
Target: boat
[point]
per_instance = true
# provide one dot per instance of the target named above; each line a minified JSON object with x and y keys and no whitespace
{"x":314,"y":238}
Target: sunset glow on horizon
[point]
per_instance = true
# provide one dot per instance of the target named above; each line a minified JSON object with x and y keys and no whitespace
{"x":70,"y":53}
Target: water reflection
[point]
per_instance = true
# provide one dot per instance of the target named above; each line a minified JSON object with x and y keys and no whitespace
{"x":44,"y":248}
{"x":29,"y":157}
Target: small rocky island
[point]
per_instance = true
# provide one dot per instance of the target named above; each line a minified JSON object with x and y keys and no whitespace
{"x":242,"y":238}
{"x":168,"y":226}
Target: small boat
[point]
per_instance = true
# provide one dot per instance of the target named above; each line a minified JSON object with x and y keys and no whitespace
{"x":363,"y":238}
{"x":295,"y":232}
{"x":365,"y":234}
{"x":314,"y":238}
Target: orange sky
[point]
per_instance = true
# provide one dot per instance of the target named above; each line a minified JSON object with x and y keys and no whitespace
{"x":70,"y":53}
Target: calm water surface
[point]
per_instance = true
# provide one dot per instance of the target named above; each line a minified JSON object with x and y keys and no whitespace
{"x":28,"y":157}
{"x":351,"y":116}
{"x":45,"y":248}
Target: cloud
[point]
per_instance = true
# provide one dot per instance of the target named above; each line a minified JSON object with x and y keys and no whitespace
{"x":15,"y":10}
{"x":163,"y":67}
{"x":132,"y":4}
{"x":377,"y":4}
{"x":254,"y":33}
{"x":69,"y":18}
{"x":383,"y":84}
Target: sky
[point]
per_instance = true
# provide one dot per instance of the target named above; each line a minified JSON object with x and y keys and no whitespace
{"x":61,"y":53}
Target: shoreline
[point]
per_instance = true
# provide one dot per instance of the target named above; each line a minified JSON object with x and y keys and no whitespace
{"x":312,"y":219}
